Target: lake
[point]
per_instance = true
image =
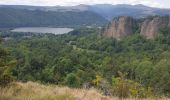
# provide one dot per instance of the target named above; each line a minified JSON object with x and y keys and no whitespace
{"x":43,"y":30}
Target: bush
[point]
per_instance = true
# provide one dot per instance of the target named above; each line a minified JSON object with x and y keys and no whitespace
{"x":5,"y":80}
{"x":127,"y":88}
{"x":102,"y":84}
{"x":72,"y":80}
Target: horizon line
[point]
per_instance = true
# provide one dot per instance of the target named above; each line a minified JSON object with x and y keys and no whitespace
{"x":79,"y":4}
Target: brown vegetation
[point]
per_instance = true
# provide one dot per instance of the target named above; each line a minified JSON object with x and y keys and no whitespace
{"x":36,"y":91}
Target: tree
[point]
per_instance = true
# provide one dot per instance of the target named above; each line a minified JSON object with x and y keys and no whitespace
{"x":124,"y":88}
{"x":72,"y":80}
{"x":5,"y":67}
{"x":161,"y":79}
{"x":165,"y":30}
{"x":144,"y":72}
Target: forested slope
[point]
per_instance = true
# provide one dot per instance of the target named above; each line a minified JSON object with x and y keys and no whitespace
{"x":83,"y":57}
{"x":11,"y":17}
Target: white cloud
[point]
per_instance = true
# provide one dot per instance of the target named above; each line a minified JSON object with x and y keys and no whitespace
{"x":152,"y":3}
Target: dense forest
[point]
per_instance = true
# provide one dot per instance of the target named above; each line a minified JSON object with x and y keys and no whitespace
{"x":133,"y":66}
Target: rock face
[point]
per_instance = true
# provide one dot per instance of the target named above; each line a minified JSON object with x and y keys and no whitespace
{"x":150,"y":27}
{"x":120,"y":27}
{"x":123,"y":26}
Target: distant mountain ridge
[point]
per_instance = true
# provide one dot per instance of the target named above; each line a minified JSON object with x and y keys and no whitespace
{"x":137,"y":11}
{"x":32,"y":17}
{"x":108,"y":11}
{"x":63,"y":16}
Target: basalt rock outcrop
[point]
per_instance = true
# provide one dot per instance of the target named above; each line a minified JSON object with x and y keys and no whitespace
{"x":120,"y":27}
{"x":124,"y":26}
{"x":150,"y":28}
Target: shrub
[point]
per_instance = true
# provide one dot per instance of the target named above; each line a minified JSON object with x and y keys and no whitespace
{"x":72,"y":80}
{"x":127,"y":88}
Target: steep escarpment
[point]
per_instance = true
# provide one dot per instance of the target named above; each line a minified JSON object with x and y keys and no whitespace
{"x":124,"y":26}
{"x":150,"y":28}
{"x":120,"y":27}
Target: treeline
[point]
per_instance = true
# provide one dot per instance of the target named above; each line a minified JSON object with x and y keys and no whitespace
{"x":11,"y":17}
{"x":134,"y":66}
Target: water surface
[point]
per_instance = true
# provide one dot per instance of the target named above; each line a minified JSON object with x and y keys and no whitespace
{"x":43,"y":30}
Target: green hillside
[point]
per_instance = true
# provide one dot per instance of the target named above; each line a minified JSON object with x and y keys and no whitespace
{"x":24,"y":18}
{"x":84,"y":57}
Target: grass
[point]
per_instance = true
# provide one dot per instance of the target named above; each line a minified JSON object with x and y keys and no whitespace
{"x":36,"y":91}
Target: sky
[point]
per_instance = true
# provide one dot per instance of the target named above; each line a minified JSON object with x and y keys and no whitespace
{"x":151,"y":3}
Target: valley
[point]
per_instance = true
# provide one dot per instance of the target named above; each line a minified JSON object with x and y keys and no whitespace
{"x":83,"y":56}
{"x":84,"y":52}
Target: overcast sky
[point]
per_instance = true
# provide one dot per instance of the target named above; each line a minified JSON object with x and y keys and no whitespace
{"x":152,"y":3}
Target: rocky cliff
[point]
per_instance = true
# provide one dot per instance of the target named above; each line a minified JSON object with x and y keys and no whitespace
{"x":150,"y":27}
{"x":123,"y":26}
{"x":120,"y":27}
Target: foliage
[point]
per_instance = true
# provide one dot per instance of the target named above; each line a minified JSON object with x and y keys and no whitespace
{"x":83,"y":56}
{"x":98,"y":80}
{"x":5,"y":68}
{"x":128,"y":88}
{"x":72,"y":80}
